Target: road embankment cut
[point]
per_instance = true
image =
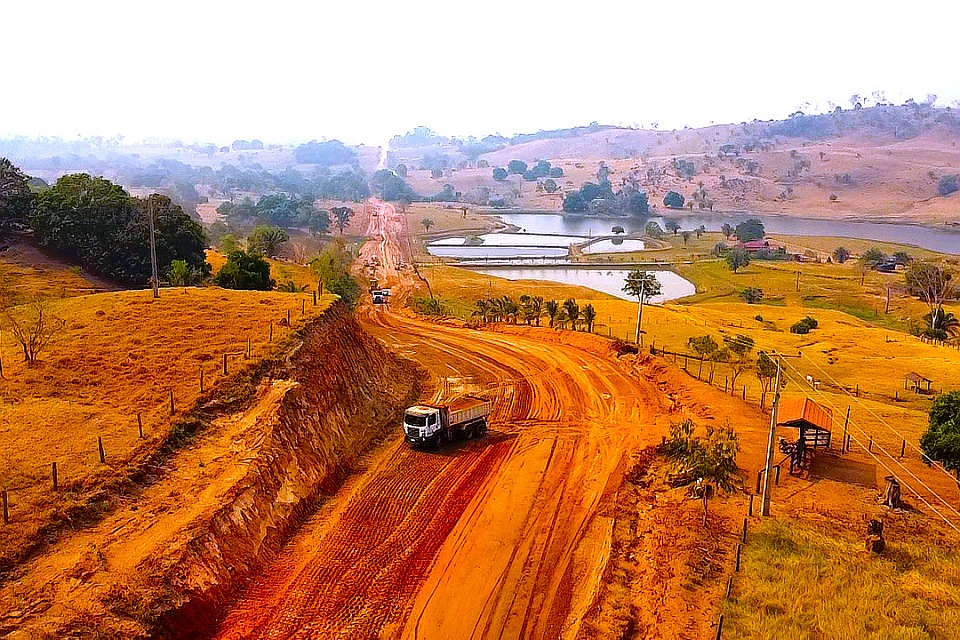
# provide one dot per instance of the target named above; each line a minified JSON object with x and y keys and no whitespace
{"x":166,"y":563}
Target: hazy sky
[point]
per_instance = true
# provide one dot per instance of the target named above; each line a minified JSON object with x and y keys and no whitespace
{"x":362,"y":71}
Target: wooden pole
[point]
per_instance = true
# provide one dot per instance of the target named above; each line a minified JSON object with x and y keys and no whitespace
{"x":140,"y":425}
{"x":776,"y":478}
{"x":743,"y":537}
{"x":224,"y":364}
{"x":6,"y":511}
{"x":739,"y":550}
{"x":201,"y":379}
{"x":288,"y":317}
{"x":53,"y":474}
{"x":249,"y":347}
{"x":846,"y":421}
{"x":903,"y":448}
{"x":303,"y":306}
{"x":314,"y":298}
{"x":870,"y":446}
{"x":172,"y":407}
{"x":720,"y":623}
{"x":271,"y":333}
{"x":103,"y":458}
{"x":750,"y":508}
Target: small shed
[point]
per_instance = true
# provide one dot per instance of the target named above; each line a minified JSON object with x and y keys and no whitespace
{"x":917,"y":383}
{"x":813,"y":420}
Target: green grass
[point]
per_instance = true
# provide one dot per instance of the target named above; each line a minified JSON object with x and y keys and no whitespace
{"x":800,"y":583}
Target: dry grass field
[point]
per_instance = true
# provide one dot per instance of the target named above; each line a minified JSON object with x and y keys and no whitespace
{"x":120,"y":354}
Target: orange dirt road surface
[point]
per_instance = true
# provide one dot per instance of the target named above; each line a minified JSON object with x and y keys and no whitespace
{"x":500,"y":537}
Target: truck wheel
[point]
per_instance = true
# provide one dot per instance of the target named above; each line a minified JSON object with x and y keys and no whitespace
{"x":482,"y":428}
{"x":468,"y":432}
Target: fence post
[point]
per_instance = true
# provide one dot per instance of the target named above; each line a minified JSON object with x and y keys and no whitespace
{"x":729,"y":586}
{"x":743,"y":537}
{"x":720,"y":623}
{"x":744,"y":392}
{"x":759,"y":479}
{"x":750,"y":509}
{"x":53,"y":473}
{"x":739,"y":550}
{"x":288,"y":317}
{"x":303,"y":306}
{"x":314,"y":298}
{"x":224,"y":364}
{"x":903,"y":448}
{"x":6,"y":512}
{"x":271,"y":333}
{"x":249,"y":348}
{"x":776,"y":479}
{"x":172,"y":407}
{"x":704,"y":506}
{"x":846,"y":421}
{"x":870,"y":446}
{"x":201,"y":378}
{"x":140,"y":425}
{"x":103,"y":458}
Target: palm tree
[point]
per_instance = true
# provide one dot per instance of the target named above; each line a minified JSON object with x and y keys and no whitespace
{"x":552,"y":309}
{"x":427,"y":223}
{"x":589,"y":315}
{"x":943,"y":322}
{"x":560,"y":321}
{"x":573,"y":311}
{"x":536,"y":306}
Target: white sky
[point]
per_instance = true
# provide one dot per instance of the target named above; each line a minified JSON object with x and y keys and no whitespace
{"x":362,"y":71}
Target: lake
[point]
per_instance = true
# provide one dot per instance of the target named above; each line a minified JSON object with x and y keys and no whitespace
{"x":605,"y":280}
{"x":942,"y":240}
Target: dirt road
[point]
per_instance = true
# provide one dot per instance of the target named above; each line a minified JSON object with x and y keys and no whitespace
{"x":500,"y":537}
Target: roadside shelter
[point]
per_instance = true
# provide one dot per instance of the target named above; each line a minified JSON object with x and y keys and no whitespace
{"x":813,"y":420}
{"x":917,"y":383}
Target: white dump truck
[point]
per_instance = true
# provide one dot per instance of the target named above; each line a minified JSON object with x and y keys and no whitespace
{"x":432,"y":424}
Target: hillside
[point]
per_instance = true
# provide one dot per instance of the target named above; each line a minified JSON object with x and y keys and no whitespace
{"x":879,"y":163}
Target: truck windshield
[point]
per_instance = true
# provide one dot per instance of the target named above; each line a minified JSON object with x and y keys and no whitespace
{"x":415,"y":421}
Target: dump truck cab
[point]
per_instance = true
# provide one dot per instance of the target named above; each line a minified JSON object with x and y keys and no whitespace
{"x":421,"y":424}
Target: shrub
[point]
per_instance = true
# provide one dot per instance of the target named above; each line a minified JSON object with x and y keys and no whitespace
{"x":499,"y":174}
{"x":673,"y":200}
{"x":804,"y":326}
{"x":713,"y":457}
{"x":426,"y":306}
{"x":752,"y":295}
{"x":948,"y":185}
{"x":244,"y":271}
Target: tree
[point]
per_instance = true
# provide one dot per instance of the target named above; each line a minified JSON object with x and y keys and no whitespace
{"x":427,"y":223}
{"x":704,"y":346}
{"x":244,"y":270}
{"x":902,"y":258}
{"x":16,"y":199}
{"x":727,"y":230}
{"x":941,"y":442}
{"x":700,"y":231}
{"x":266,"y":241}
{"x":342,"y":216}
{"x":841,"y":255}
{"x":573,"y":311}
{"x":673,"y":200}
{"x":550,"y":185}
{"x":531,"y":308}
{"x":617,"y":230}
{"x":931,"y":282}
{"x":332,"y":268}
{"x":552,"y":309}
{"x":766,"y":374}
{"x":401,"y":171}
{"x":97,"y":224}
{"x":589,"y":315}
{"x":872,"y":257}
{"x":748,"y":230}
{"x":653,"y":230}
{"x":942,"y":324}
{"x":517,"y":167}
{"x":556,"y":172}
{"x":948,"y":185}
{"x":737,"y":259}
{"x":643,"y":285}
{"x":500,"y":174}
{"x":573,"y":202}
{"x":672,"y":226}
{"x":436,"y":172}
{"x":738,"y":350}
{"x":181,"y":274}
{"x":34,"y":326}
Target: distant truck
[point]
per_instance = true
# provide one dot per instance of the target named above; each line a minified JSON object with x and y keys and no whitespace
{"x":432,"y":424}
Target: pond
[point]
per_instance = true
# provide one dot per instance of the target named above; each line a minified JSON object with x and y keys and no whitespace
{"x":525,"y":245}
{"x":943,"y":240}
{"x":604,"y":280}
{"x":618,"y":245}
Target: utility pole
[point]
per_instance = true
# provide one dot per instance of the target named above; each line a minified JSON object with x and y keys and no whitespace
{"x":154,"y":279}
{"x":768,"y":472}
{"x":643,"y":291}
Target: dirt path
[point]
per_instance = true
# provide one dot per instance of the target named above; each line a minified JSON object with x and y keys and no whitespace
{"x":495,"y":538}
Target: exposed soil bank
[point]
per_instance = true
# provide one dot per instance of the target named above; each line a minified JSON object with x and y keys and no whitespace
{"x":346,"y":391}
{"x":268,"y":448}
